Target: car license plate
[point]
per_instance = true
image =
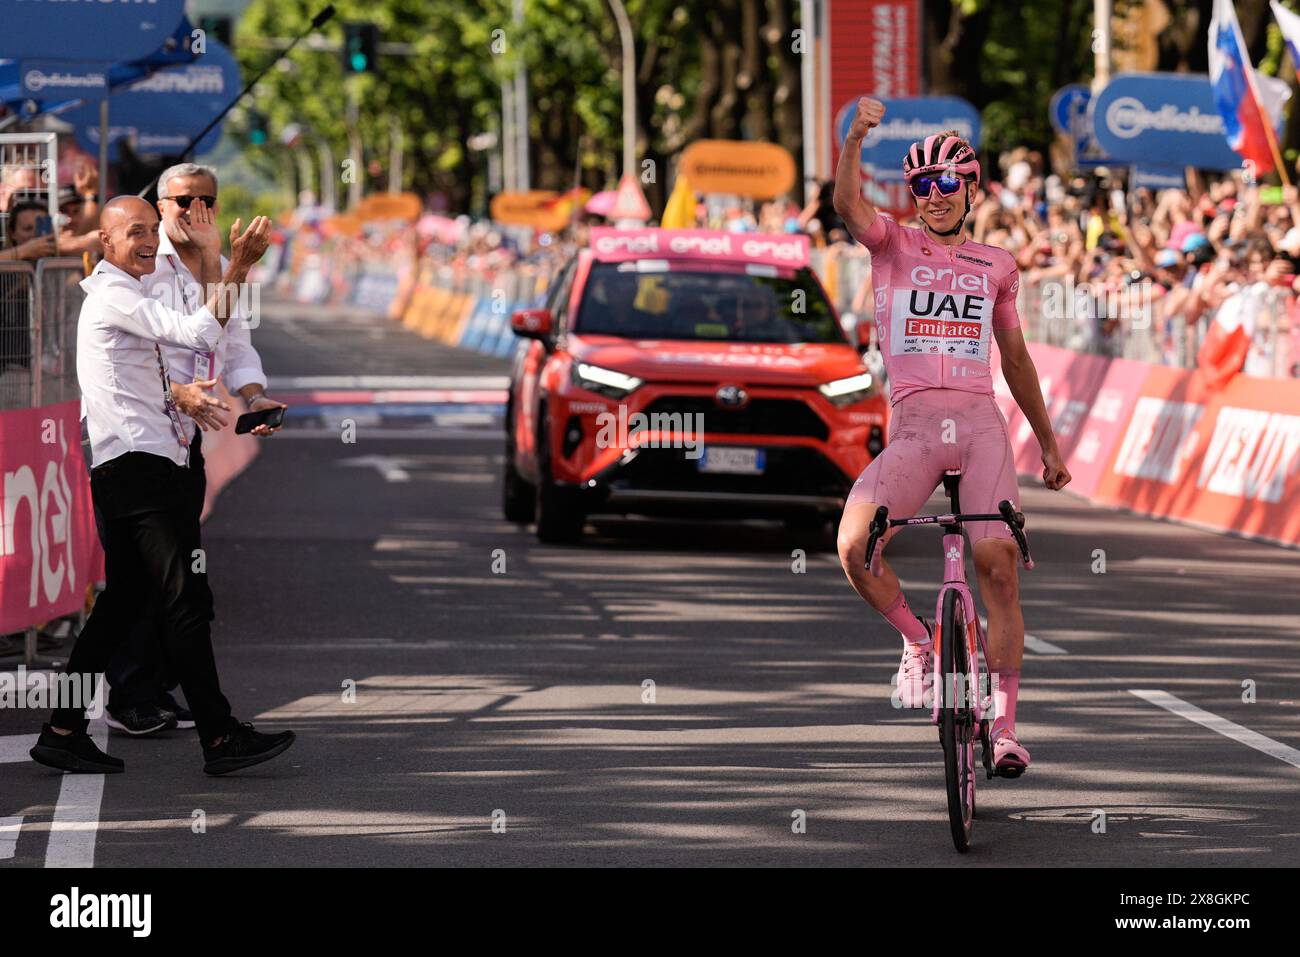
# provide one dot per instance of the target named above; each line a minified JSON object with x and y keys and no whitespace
{"x":733,"y":461}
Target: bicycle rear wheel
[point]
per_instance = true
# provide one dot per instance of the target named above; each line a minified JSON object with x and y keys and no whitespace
{"x":957,"y":721}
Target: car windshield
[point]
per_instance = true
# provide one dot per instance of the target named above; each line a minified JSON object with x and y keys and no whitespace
{"x":620,"y":299}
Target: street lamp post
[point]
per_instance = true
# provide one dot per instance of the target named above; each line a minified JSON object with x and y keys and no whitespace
{"x":508,"y":134}
{"x":395,"y":149}
{"x":807,"y":22}
{"x":521,"y":104}
{"x":629,"y":86}
{"x":329,"y":196}
{"x":355,"y":152}
{"x":1101,"y":36}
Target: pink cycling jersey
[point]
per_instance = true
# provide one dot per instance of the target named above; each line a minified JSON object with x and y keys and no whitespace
{"x":936,"y":307}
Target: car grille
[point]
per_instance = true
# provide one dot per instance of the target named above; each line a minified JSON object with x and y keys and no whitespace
{"x":759,"y":417}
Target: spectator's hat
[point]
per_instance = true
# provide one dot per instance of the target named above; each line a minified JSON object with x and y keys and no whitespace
{"x":1194,"y":241}
{"x":1167,"y":258}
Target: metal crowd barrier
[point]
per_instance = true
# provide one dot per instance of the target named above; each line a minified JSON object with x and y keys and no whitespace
{"x":28,"y":164}
{"x":1134,"y":323}
{"x":39,"y":305}
{"x":58,"y":305}
{"x":17,"y":331}
{"x":1128,"y":323}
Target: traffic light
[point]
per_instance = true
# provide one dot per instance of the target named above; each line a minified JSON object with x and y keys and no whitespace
{"x":257,"y":132}
{"x":360,"y":47}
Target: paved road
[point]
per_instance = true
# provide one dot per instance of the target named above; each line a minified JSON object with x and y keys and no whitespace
{"x":522,"y":693}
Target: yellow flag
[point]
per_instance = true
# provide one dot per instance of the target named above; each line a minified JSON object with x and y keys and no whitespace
{"x":680,"y":211}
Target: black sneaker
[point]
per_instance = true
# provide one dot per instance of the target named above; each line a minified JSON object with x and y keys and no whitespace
{"x":73,"y":752}
{"x":169,"y":705}
{"x":243,"y":747}
{"x":140,"y":721}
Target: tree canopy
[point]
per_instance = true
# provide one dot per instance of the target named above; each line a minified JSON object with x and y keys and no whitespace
{"x":721,"y":69}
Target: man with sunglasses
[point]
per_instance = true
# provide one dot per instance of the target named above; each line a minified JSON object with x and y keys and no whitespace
{"x":940,"y":297}
{"x":140,"y":701}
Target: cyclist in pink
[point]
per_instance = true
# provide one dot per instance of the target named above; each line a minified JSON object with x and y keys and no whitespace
{"x":940,"y":299}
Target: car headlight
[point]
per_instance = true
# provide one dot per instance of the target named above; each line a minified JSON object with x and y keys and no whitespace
{"x":607,"y":382}
{"x":842,"y":392}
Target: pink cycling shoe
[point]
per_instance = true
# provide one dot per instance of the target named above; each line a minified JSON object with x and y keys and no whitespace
{"x":1010,"y":759}
{"x":913,"y":671}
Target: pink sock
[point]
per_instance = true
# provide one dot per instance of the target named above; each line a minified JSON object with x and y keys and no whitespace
{"x":1006,"y":690}
{"x":909,"y":626}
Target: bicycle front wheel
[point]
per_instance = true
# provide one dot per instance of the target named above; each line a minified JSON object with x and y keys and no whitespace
{"x":957,"y":720}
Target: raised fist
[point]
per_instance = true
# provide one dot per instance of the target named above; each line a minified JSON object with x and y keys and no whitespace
{"x":870,"y":112}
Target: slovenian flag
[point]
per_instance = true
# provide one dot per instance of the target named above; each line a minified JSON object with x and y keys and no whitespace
{"x":1290,"y":25}
{"x":1235,"y":90}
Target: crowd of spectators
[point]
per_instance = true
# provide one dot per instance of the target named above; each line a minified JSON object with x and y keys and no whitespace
{"x":1142,"y":273}
{"x":1105,"y":268}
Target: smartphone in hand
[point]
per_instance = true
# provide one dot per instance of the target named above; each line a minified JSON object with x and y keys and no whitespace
{"x":251,"y":420}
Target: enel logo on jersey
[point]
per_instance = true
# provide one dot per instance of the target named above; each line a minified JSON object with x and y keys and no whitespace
{"x":951,"y":279}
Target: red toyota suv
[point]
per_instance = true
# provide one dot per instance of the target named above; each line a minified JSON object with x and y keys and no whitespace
{"x":686,"y":372}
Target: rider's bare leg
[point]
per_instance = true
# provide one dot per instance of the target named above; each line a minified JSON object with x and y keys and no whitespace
{"x":995,"y":567}
{"x":883,"y":592}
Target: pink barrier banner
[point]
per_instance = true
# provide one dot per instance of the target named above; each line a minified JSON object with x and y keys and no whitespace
{"x":1156,"y":440}
{"x":1225,"y":459}
{"x":49,"y":550}
{"x":1088,"y":398}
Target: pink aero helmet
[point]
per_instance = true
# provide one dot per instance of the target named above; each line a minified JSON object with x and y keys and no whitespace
{"x":941,"y":151}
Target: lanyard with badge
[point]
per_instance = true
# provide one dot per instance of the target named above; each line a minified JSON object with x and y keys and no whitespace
{"x":169,"y":405}
{"x":203,"y":361}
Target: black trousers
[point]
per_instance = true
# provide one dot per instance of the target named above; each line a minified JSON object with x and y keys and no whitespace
{"x":151,"y":534}
{"x":141,"y":670}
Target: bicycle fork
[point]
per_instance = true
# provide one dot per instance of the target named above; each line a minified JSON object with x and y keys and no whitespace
{"x":954,"y":577}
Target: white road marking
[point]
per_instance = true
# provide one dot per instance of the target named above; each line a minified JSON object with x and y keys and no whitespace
{"x":1040,"y":647}
{"x":391,"y":467}
{"x":9,"y":828}
{"x":389,"y":382}
{"x":1229,"y":729}
{"x":76,"y":817}
{"x":1033,"y":643}
{"x":375,"y":432}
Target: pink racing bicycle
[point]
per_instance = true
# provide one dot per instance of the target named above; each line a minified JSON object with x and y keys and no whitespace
{"x":960,"y":694}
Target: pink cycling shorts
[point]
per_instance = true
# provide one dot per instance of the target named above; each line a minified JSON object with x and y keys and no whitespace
{"x":934,"y":430}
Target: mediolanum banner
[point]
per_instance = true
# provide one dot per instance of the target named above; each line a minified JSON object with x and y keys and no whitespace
{"x":49,"y":550}
{"x":1143,"y":117}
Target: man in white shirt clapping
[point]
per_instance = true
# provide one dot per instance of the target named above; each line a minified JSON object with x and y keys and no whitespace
{"x":140,"y":480}
{"x":140,"y":702}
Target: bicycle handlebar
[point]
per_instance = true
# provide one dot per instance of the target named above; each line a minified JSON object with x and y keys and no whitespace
{"x":1015,"y":521}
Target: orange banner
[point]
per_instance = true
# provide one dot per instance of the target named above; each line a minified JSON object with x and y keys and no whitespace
{"x":378,"y":207}
{"x":542,"y":209}
{"x":758,"y":170}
